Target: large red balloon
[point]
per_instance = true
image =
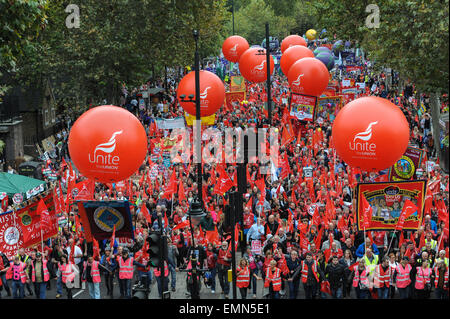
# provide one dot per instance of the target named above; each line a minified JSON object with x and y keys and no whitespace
{"x":291,"y":40}
{"x":107,"y":144}
{"x":292,"y":55}
{"x":252,"y":65}
{"x":308,"y":76}
{"x":370,"y":133}
{"x":212,"y":92}
{"x":233,"y":47}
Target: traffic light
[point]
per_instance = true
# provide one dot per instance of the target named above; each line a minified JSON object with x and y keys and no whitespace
{"x":155,"y":250}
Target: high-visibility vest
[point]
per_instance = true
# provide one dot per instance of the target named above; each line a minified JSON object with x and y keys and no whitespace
{"x":10,"y":274}
{"x":433,"y":244}
{"x":372,"y":265}
{"x":157,"y":272}
{"x":95,"y":272}
{"x":445,"y":259}
{"x":305,"y":272}
{"x":274,"y":278}
{"x":66,"y":272}
{"x":403,"y":279}
{"x":436,"y":279}
{"x":423,"y":276}
{"x":46,"y":273}
{"x":381,"y":278}
{"x":243,"y":279}
{"x":125,"y":268}
{"x":361,"y":277}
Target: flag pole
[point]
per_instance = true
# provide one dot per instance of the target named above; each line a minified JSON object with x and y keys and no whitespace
{"x":392,"y":239}
{"x":42,"y":241}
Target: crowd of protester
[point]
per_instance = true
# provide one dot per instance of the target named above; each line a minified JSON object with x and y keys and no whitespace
{"x":336,"y":260}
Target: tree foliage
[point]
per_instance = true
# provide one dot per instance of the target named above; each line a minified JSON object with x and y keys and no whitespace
{"x":412,"y":37}
{"x":119,"y":41}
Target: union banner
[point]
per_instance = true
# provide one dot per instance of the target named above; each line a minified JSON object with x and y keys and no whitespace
{"x":99,"y":219}
{"x":386,"y":200}
{"x":405,"y":168}
{"x":237,"y":83}
{"x":233,"y":97}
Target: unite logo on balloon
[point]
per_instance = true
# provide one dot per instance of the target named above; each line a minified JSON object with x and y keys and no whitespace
{"x":259,"y":69}
{"x":298,"y":81}
{"x":106,"y":160}
{"x":233,"y":50}
{"x":203,"y":101}
{"x":364,"y":148}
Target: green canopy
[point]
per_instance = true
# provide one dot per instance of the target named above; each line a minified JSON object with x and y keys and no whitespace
{"x":15,"y":183}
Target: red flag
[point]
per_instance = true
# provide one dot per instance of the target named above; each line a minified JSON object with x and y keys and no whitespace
{"x":428,"y":203}
{"x":181,"y":192}
{"x":72,"y":252}
{"x":171,"y":188}
{"x":113,"y":237}
{"x":95,"y":249}
{"x":45,"y":221}
{"x":212,"y":235}
{"x":408,"y":209}
{"x":287,"y":135}
{"x":422,"y":241}
{"x":249,"y":203}
{"x":224,"y":181}
{"x":352,"y":266}
{"x":304,"y":243}
{"x":401,"y":240}
{"x":146,"y":214}
{"x":85,"y":190}
{"x":236,"y":239}
{"x":182,"y":225}
{"x":367,"y":212}
{"x":318,"y":239}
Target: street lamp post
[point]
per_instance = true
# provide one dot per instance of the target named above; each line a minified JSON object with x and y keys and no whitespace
{"x":197,"y":117}
{"x":232,"y":13}
{"x":269,"y":85}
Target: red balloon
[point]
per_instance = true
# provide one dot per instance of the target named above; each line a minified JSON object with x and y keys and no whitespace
{"x":370,"y":133}
{"x":291,"y":40}
{"x":233,"y":47}
{"x":212,"y":92}
{"x":107,"y":144}
{"x":252,"y":65}
{"x":308,"y":76}
{"x":292,"y":55}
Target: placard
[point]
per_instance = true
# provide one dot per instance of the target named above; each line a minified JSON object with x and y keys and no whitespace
{"x":256,"y":247}
{"x":303,"y":107}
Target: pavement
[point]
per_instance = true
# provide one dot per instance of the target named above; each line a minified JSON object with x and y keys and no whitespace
{"x":180,"y":293}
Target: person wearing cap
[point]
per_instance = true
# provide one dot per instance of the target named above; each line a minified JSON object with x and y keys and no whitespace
{"x":40,"y":275}
{"x":110,"y":263}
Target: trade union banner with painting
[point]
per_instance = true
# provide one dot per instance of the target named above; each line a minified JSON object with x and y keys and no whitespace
{"x":405,"y":168}
{"x":99,"y":219}
{"x":386,"y":201}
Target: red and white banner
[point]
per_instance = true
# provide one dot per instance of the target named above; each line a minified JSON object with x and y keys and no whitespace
{"x":11,"y":239}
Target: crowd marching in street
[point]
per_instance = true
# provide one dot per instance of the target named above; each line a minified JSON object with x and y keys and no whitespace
{"x":299,"y":233}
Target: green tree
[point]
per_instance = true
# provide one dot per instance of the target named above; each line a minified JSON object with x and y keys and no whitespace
{"x":20,"y":23}
{"x":412,"y":39}
{"x":120,"y":41}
